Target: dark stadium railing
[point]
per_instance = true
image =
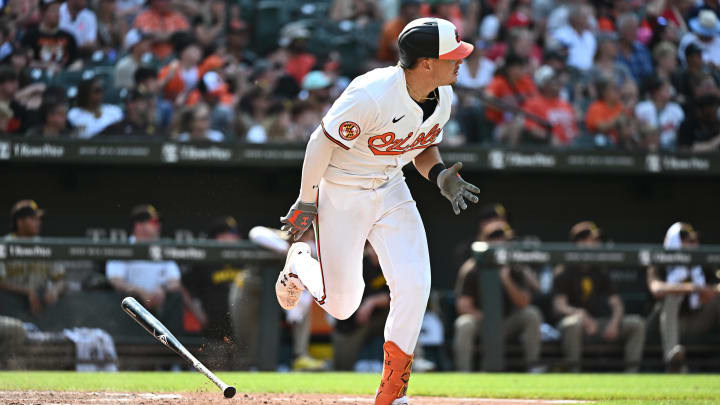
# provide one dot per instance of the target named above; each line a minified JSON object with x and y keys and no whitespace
{"x":195,"y":252}
{"x":291,"y":155}
{"x":489,"y":257}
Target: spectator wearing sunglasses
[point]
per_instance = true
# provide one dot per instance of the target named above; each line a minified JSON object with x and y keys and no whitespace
{"x":520,"y":317}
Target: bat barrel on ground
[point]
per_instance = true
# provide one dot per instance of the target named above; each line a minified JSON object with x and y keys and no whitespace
{"x":151,"y":324}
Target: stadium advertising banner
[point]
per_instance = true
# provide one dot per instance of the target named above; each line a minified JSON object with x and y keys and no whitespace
{"x":291,"y":155}
{"x":71,"y":249}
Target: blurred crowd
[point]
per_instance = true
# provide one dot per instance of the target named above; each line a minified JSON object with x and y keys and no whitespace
{"x":628,"y":74}
{"x":568,"y":305}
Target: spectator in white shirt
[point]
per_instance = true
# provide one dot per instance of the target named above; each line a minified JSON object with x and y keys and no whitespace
{"x":81,"y":22}
{"x":137,"y":46}
{"x":659,"y":117}
{"x":578,"y":38}
{"x":477,"y":70}
{"x":151,"y":282}
{"x":91,"y":116}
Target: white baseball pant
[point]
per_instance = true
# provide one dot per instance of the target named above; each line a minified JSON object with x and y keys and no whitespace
{"x":388,"y":218}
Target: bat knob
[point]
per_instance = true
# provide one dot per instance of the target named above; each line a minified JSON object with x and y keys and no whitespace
{"x":229,"y":392}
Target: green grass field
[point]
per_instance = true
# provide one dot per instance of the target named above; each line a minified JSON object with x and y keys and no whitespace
{"x":611,"y":389}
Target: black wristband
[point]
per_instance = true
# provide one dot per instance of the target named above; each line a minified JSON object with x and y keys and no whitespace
{"x":435,"y":171}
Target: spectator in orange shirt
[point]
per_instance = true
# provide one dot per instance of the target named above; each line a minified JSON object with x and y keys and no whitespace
{"x":161,"y":21}
{"x":507,"y":91}
{"x":387,"y":48}
{"x":181,"y":76}
{"x":607,"y":116}
{"x":549,"y":106}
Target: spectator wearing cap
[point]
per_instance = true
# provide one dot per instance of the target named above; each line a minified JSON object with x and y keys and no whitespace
{"x":156,"y":284}
{"x":700,"y":132}
{"x":53,"y":117}
{"x":211,"y":282}
{"x":520,"y":318}
{"x":37,"y":283}
{"x":577,"y":36}
{"x":510,"y":86}
{"x":140,"y":118}
{"x":477,"y":70}
{"x":293,"y":54}
{"x":387,"y":47}
{"x":549,"y":106}
{"x":632,"y":52}
{"x":659,"y":117}
{"x":689,"y":297}
{"x":706,"y":35}
{"x":53,"y":47}
{"x":80,"y":21}
{"x":195,"y":125}
{"x":161,"y":21}
{"x":137,"y":46}
{"x":316,"y":90}
{"x":91,"y":116}
{"x":588,"y":306}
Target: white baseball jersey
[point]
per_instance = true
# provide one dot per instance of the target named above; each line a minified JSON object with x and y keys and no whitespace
{"x":379,"y":128}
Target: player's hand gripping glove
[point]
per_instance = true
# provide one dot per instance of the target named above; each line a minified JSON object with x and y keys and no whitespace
{"x":298,"y":219}
{"x":455,"y":189}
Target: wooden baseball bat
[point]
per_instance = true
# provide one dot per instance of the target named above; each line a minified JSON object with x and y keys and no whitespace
{"x":151,"y":324}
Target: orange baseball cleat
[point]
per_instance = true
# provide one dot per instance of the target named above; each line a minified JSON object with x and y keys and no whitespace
{"x":396,"y":375}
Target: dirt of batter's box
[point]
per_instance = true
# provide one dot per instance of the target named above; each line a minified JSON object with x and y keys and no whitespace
{"x":206,"y":398}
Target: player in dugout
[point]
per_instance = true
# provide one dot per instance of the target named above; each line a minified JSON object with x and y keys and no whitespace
{"x":353,"y":190}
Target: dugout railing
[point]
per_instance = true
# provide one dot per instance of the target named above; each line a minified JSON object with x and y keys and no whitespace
{"x":196,"y":252}
{"x":474,"y":157}
{"x":490,"y":257}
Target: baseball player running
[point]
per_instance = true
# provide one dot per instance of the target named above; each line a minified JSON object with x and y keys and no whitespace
{"x":353,"y":190}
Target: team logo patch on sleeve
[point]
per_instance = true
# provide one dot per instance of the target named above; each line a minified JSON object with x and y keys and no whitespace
{"x":349,"y":130}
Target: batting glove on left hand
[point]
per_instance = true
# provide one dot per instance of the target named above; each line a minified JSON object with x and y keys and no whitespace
{"x":299,"y":219}
{"x":455,"y":189}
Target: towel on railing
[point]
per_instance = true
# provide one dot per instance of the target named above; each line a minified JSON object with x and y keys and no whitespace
{"x":95,"y":349}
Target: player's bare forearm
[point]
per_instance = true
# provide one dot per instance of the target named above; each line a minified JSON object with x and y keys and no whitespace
{"x":427,"y":159}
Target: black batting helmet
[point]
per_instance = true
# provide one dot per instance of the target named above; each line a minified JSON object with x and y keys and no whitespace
{"x":431,"y":38}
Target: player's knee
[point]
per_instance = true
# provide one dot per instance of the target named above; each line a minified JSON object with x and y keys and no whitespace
{"x":343,"y":307}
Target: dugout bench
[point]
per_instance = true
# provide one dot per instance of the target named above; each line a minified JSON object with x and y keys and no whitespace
{"x":702,"y":352}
